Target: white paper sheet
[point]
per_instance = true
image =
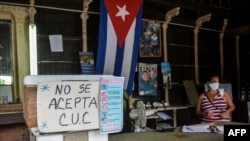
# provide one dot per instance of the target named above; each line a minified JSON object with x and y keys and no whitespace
{"x":56,"y":43}
{"x":219,"y":129}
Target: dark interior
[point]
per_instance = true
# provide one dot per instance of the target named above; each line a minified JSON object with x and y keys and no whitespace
{"x":63,"y":17}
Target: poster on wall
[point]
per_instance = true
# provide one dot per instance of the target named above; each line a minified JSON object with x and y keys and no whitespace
{"x":166,"y":74}
{"x":147,"y":74}
{"x":150,"y":40}
{"x":111,"y":104}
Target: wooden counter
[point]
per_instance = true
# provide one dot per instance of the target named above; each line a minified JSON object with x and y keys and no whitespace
{"x":164,"y":136}
{"x":176,"y":135}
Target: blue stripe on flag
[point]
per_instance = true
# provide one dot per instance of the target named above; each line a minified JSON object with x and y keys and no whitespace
{"x":102,"y":39}
{"x":135,"y":52}
{"x":118,"y":60}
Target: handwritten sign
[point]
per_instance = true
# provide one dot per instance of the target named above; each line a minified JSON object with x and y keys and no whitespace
{"x":67,"y":106}
{"x":111,"y":104}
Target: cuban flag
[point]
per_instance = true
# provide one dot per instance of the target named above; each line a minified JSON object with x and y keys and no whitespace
{"x":118,"y":43}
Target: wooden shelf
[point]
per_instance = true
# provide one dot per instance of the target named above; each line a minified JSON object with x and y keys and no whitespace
{"x":174,"y":108}
{"x":62,"y":62}
{"x":11,"y":108}
{"x":11,"y":114}
{"x":180,"y":45}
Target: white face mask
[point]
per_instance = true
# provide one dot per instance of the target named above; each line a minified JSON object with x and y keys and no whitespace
{"x":214,"y":86}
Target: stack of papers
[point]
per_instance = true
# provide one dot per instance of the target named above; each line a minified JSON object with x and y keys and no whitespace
{"x":163,"y":115}
{"x":196,"y":128}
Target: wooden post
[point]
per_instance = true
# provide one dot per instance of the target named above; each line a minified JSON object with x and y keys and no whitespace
{"x":237,"y":63}
{"x":221,"y":49}
{"x":199,"y":23}
{"x":32,"y":12}
{"x":168,"y":18}
{"x":84,"y":17}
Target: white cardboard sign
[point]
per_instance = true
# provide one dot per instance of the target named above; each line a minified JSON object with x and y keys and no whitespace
{"x":67,"y":106}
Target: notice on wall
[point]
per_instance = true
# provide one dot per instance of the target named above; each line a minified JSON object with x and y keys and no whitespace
{"x":111,"y":104}
{"x":67,"y":106}
{"x":56,"y":43}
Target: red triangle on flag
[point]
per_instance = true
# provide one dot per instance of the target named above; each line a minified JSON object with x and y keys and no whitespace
{"x":122,"y":20}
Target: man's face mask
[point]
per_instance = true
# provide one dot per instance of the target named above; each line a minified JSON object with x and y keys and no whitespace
{"x":214,"y":86}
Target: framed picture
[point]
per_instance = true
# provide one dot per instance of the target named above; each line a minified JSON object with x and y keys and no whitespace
{"x":147,"y":79}
{"x":150,"y":40}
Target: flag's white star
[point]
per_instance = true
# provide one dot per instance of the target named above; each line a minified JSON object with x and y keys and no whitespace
{"x":122,"y":12}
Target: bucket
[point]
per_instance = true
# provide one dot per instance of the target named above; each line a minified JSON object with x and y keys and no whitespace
{"x":87,"y":62}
